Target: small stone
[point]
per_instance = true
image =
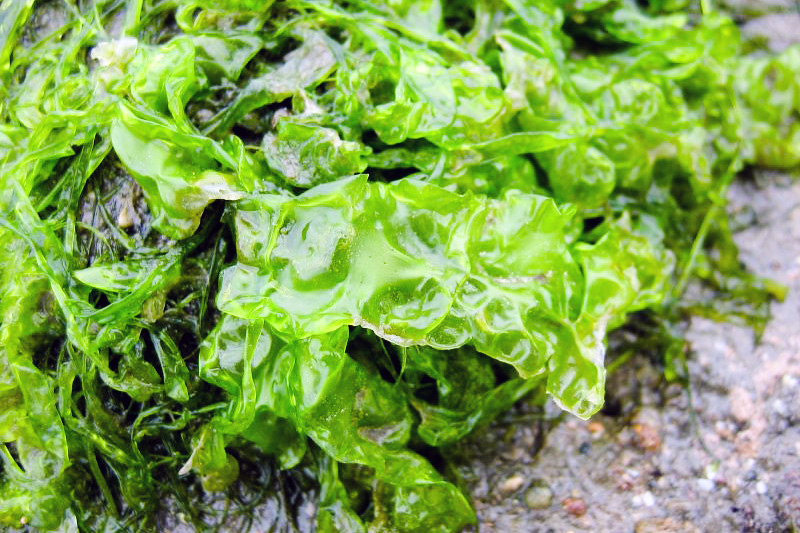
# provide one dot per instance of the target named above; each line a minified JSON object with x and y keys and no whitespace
{"x":511,"y":484}
{"x":278,"y":115}
{"x":779,"y":407}
{"x":761,"y":487}
{"x":124,"y":218}
{"x":624,"y":481}
{"x":575,"y":506}
{"x":203,"y":115}
{"x":645,"y":499}
{"x":725,"y":429}
{"x":706,"y":485}
{"x":597,"y":429}
{"x":539,"y":497}
{"x":647,"y":437}
{"x":789,"y":381}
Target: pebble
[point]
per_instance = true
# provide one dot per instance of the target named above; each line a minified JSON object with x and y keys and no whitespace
{"x":779,"y":407}
{"x":124,"y":218}
{"x":647,"y":437}
{"x":706,"y":485}
{"x":648,"y":499}
{"x":624,"y":481}
{"x":539,"y":497}
{"x":597,"y":429}
{"x":203,"y":115}
{"x":575,"y":506}
{"x":761,"y":487}
{"x":511,"y":484}
{"x":278,"y":115}
{"x":789,"y":381}
{"x":645,"y":499}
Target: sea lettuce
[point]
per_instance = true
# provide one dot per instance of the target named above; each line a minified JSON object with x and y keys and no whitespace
{"x":419,"y":265}
{"x":304,"y":246}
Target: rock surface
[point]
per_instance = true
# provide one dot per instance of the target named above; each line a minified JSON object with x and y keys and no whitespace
{"x":778,"y":31}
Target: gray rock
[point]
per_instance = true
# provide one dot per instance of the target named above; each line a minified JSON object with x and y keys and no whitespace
{"x":778,"y":30}
{"x":539,"y":497}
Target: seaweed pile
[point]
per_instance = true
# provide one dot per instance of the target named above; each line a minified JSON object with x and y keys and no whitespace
{"x":260,"y":250}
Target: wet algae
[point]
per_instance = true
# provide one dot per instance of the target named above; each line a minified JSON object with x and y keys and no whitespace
{"x":257,"y":251}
